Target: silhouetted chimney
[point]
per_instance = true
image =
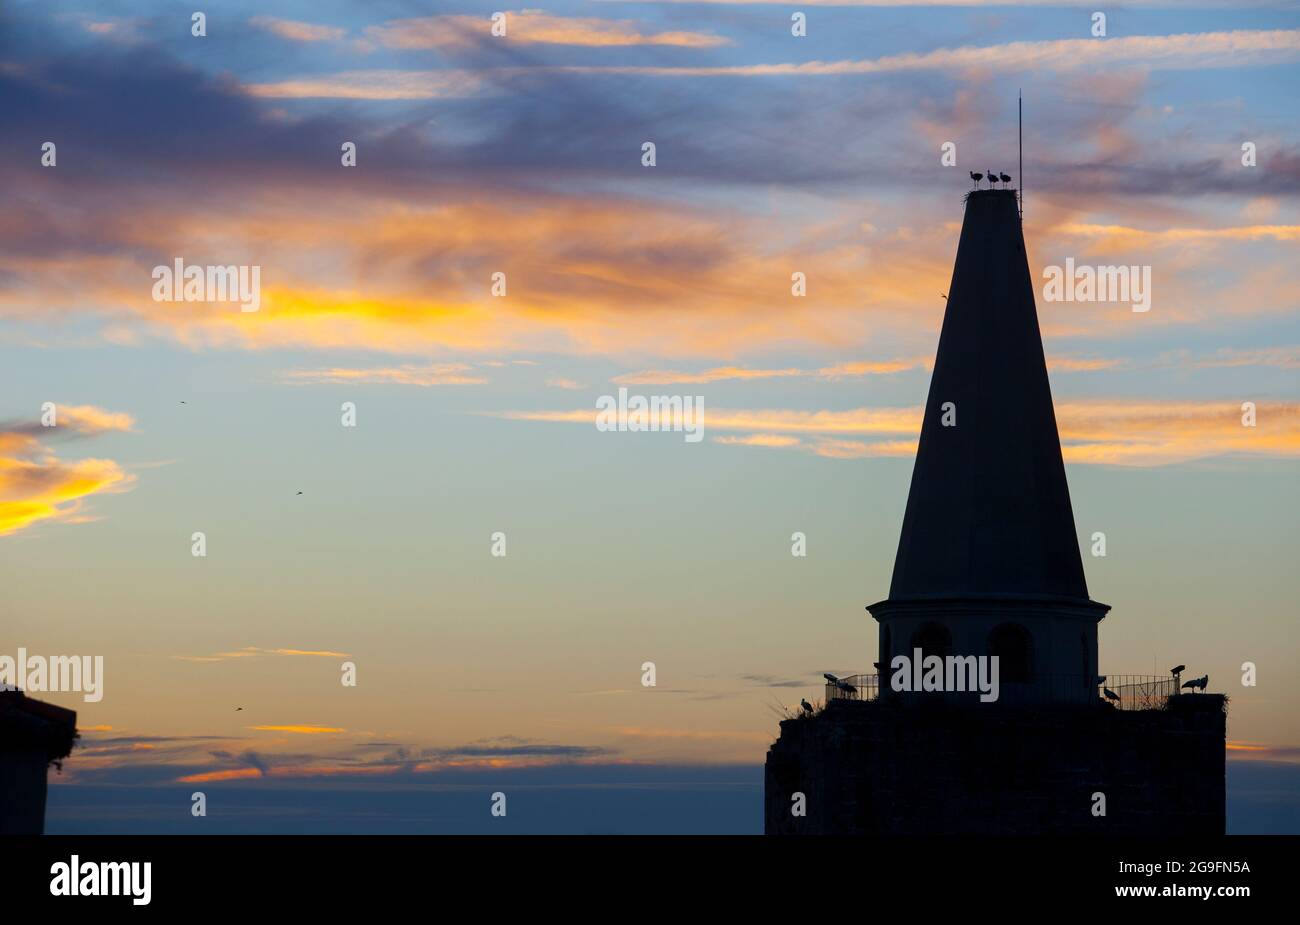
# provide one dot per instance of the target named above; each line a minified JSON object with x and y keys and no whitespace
{"x":32,"y":734}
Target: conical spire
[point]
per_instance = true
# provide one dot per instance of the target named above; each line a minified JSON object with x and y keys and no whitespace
{"x":989,"y":509}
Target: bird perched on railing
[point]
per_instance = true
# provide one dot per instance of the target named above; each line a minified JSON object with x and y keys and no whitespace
{"x":807,"y":707}
{"x":1110,"y":694}
{"x":839,"y":684}
{"x":1197,"y":683}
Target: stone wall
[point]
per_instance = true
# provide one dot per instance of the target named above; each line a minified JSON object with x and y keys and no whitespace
{"x":875,"y":767}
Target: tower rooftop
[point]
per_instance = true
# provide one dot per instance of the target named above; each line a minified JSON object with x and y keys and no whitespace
{"x":988,"y":513}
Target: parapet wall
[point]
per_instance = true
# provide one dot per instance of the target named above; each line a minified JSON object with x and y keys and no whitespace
{"x":877,"y":767}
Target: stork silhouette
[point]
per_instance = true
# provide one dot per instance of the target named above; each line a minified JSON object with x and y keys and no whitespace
{"x":1005,"y":179}
{"x":976,"y":177}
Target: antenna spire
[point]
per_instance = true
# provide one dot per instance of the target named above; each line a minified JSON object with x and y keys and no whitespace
{"x":1020,"y":138}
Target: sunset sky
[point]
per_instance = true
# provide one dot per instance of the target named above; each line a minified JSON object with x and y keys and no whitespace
{"x":522,"y":155}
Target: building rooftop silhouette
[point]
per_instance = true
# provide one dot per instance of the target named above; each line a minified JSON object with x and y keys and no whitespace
{"x":32,"y":734}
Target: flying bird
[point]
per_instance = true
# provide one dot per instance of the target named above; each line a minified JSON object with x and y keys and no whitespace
{"x":237,"y":709}
{"x":1197,"y":683}
{"x":1005,"y":179}
{"x":944,"y":294}
{"x":299,"y":492}
{"x":1110,"y":694}
{"x":976,"y":177}
{"x":806,"y":706}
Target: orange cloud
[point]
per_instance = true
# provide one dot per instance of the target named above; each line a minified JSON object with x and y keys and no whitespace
{"x":1239,"y":48}
{"x":856,"y":421}
{"x":829,"y":447}
{"x":87,"y":419}
{"x":530,"y":27}
{"x":1120,"y":236}
{"x":256,"y":652}
{"x":723,"y":373}
{"x":581,"y":271}
{"x":36,"y":486}
{"x":300,"y":729}
{"x":210,"y":776}
{"x":718,"y":374}
{"x":374,"y":84}
{"x":1140,"y":433}
{"x":578,"y":271}
{"x":297,"y":31}
{"x":1280,"y":357}
{"x":772,"y":440}
{"x":1255,"y":750}
{"x":1081,"y":364}
{"x":440,"y":374}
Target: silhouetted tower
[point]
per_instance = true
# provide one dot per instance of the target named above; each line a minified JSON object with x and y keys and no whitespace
{"x":988,"y":562}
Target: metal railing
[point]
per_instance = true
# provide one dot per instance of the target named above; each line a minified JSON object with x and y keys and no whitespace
{"x":1138,"y":692}
{"x":854,"y":687}
{"x":1123,"y":692}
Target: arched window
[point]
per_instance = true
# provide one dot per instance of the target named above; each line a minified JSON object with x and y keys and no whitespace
{"x":933,"y":639}
{"x":1010,"y":642}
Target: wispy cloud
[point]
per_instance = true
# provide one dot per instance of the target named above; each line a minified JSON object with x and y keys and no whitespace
{"x":1122,"y":236}
{"x":298,"y":31}
{"x":531,"y":27}
{"x":1068,"y":364}
{"x":1142,"y":433}
{"x":723,"y":373}
{"x":374,"y":84}
{"x":256,"y":652}
{"x":769,"y":440}
{"x":1287,"y":357}
{"x":702,"y":734}
{"x":1204,"y":50}
{"x":1259,"y":751}
{"x":1239,"y":48}
{"x":436,"y":374}
{"x":767,"y":680}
